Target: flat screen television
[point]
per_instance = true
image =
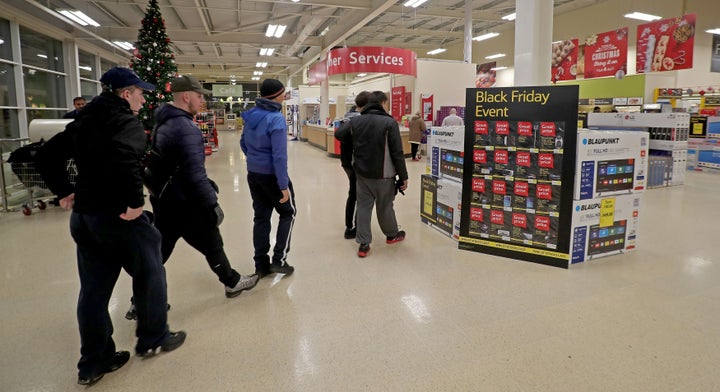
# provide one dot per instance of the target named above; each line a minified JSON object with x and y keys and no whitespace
{"x":615,"y":175}
{"x":607,"y":239}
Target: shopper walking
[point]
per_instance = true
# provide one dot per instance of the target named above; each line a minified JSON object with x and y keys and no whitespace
{"x":417,"y":130}
{"x":452,"y":119}
{"x":188,"y":208}
{"x":264,"y":142}
{"x":346,"y":152}
{"x":108,"y":224}
{"x":377,"y":160}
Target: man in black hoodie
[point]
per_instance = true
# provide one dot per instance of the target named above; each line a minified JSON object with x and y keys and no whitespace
{"x":107,"y":142}
{"x":188,"y":207}
{"x":377,"y":159}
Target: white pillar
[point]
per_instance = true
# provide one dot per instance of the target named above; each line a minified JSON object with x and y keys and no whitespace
{"x":533,"y":41}
{"x":324,"y":100}
{"x":467,"y":51}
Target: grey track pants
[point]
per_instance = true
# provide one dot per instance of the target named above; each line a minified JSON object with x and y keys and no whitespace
{"x":381,"y":194}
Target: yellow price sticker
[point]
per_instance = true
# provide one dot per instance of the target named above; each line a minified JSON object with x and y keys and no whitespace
{"x":428,"y":205}
{"x":607,"y":212}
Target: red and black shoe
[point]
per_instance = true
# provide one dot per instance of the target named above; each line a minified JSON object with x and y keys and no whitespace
{"x":363,"y":250}
{"x":396,"y":238}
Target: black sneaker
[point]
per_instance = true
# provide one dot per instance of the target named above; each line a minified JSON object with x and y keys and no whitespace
{"x":284,"y":268}
{"x":246,"y":282}
{"x":132,"y":313}
{"x":171,"y":342}
{"x":118,"y":360}
{"x":396,"y":238}
{"x":363,"y":250}
{"x":262,"y":272}
{"x":350,"y":233}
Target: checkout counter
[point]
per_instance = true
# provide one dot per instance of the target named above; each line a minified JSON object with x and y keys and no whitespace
{"x":323,"y":138}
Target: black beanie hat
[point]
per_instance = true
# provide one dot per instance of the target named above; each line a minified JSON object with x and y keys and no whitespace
{"x":271,"y":88}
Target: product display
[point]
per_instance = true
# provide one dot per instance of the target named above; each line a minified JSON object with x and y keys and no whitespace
{"x":445,"y":147}
{"x":440,"y":204}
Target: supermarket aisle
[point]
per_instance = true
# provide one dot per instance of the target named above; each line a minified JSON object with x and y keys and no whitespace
{"x":415,"y":316}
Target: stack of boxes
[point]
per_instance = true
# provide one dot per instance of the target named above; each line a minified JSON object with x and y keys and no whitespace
{"x":611,"y":173}
{"x":441,"y":190}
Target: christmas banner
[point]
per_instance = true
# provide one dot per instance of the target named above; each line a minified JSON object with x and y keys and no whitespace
{"x":606,"y":54}
{"x":317,"y":73}
{"x":564,"y":60}
{"x":485,"y":75}
{"x":666,"y":45}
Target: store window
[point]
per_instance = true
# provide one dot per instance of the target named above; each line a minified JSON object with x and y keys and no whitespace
{"x":7,"y":81}
{"x":86,"y":65}
{"x":5,"y":49}
{"x":9,"y":124}
{"x":89,"y":89}
{"x":40,"y":51}
{"x":44,"y":89}
{"x":105,"y":66}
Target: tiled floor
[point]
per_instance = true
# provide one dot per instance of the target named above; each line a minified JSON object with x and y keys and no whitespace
{"x":415,"y":316}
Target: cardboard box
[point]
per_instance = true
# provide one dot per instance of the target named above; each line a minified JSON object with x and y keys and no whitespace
{"x":440,"y":201}
{"x":610,"y":163}
{"x":446,"y":150}
{"x":604,"y":227}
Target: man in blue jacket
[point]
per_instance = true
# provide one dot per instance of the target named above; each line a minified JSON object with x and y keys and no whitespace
{"x":188,"y":208}
{"x":108,"y":224}
{"x":264,"y":142}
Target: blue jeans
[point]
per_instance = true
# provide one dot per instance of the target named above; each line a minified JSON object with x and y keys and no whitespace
{"x":266,"y":197}
{"x":105,"y":245}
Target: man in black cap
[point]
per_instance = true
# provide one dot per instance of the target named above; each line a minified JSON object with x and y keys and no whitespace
{"x":108,"y":224}
{"x":188,"y":207}
{"x":264,"y":142}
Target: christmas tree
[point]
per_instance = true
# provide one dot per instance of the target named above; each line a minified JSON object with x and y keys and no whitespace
{"x":154,"y":62}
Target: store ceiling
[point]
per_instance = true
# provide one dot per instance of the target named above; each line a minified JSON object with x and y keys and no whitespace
{"x":219,"y":39}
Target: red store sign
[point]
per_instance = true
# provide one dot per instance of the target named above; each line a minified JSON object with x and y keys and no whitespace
{"x":372,"y":59}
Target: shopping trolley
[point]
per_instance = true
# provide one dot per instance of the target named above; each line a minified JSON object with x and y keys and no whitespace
{"x":27,"y":190}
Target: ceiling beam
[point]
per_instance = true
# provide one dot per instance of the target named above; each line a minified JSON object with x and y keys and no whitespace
{"x":200,"y":36}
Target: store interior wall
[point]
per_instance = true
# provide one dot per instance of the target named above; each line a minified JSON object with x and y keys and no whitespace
{"x":446,"y":80}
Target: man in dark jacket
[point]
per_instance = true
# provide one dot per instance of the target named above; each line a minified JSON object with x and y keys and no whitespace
{"x":346,"y":152}
{"x":189,"y":208}
{"x":78,"y":103}
{"x":377,"y":160}
{"x":107,"y":142}
{"x":264,"y":142}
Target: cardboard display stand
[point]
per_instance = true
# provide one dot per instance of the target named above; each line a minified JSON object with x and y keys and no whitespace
{"x":518,"y":178}
{"x":440,"y":200}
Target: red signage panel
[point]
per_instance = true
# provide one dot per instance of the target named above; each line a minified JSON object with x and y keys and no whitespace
{"x":317,"y":73}
{"x":606,"y":54}
{"x":372,"y":59}
{"x":666,"y":45}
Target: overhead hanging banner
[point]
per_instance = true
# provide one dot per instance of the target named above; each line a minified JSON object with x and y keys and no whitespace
{"x":564,"y":60}
{"x":606,"y":54}
{"x":317,"y":73}
{"x":666,"y":45}
{"x":372,"y":59}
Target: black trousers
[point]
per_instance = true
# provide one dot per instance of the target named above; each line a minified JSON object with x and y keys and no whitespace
{"x":105,"y":245}
{"x":350,"y":204}
{"x":198,"y":227}
{"x":266,"y":197}
{"x":414,"y":147}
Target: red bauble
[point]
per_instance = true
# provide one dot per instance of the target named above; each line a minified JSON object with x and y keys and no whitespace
{"x":167,"y":40}
{"x":702,"y":93}
{"x":162,"y":62}
{"x":154,"y":20}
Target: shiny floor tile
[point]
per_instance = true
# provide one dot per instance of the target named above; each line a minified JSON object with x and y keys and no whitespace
{"x":419,"y":315}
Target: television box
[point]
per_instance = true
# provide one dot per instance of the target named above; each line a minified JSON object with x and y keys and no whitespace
{"x":446,"y":150}
{"x":610,"y":163}
{"x":440,"y":200}
{"x":604,"y":226}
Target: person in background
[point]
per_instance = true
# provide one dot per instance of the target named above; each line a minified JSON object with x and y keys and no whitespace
{"x":452,"y":119}
{"x":417,"y":130}
{"x":111,"y":230}
{"x":188,"y":208}
{"x":264,"y":142}
{"x":346,"y":154}
{"x":351,"y":113}
{"x":79,"y":103}
{"x":596,"y":109}
{"x":377,"y":160}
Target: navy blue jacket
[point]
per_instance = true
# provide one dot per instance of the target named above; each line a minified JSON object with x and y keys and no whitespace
{"x":107,"y":142}
{"x":179,"y":140}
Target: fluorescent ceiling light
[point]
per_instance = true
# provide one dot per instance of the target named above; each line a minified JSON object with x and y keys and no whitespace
{"x":261,"y":65}
{"x":360,"y":75}
{"x":255,"y":78}
{"x":85,"y":67}
{"x":436,"y":51}
{"x":510,"y":17}
{"x":257,"y":73}
{"x":124,"y":45}
{"x":79,"y":17}
{"x":42,"y":56}
{"x":642,"y":16}
{"x":267,"y":51}
{"x":498,"y":68}
{"x":325,"y":30}
{"x":274,"y":30}
{"x":485,"y":36}
{"x":495,"y":56}
{"x":714,"y":31}
{"x":413,"y":3}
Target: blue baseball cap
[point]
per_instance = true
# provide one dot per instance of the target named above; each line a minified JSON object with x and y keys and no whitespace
{"x":119,"y":77}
